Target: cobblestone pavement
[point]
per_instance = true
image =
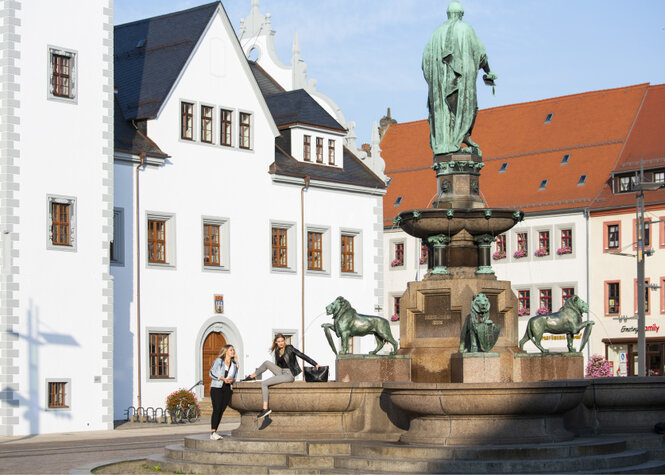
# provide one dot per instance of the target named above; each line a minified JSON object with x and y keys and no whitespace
{"x":60,"y":453}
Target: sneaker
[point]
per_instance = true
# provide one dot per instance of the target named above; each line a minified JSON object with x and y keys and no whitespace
{"x":247,"y":378}
{"x":215,"y":436}
{"x":263,"y":413}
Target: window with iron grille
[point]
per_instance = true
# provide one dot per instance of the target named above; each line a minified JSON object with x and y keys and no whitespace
{"x":331,"y":152}
{"x":187,"y":121}
{"x":307,"y":148}
{"x":206,"y":124}
{"x":319,"y":150}
{"x":524,"y":298}
{"x":314,"y":250}
{"x":567,"y":293}
{"x":347,"y":253}
{"x":546,"y":299}
{"x":61,"y":76}
{"x":245,"y":130}
{"x":57,"y":395}
{"x":159,"y":355}
{"x":613,"y":298}
{"x":60,"y":224}
{"x":279,"y":247}
{"x":157,"y":241}
{"x":226,"y":127}
{"x":211,"y":245}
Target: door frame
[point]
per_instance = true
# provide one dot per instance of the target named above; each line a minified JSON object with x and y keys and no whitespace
{"x":220,"y":324}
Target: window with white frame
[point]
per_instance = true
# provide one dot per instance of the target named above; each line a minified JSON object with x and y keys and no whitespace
{"x":318,"y":249}
{"x":226,"y":127}
{"x":58,"y":394}
{"x":160,"y":353}
{"x":117,"y":245}
{"x":62,"y":73}
{"x":206,"y":124}
{"x":245,"y":129}
{"x":215,"y":242}
{"x":62,"y":223}
{"x":283,"y":246}
{"x":186,"y":121}
{"x":160,"y":242}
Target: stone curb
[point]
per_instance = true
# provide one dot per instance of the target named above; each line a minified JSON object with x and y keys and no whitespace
{"x":92,"y":466}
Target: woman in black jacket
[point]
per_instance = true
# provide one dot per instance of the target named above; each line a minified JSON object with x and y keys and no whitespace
{"x":285,"y":368}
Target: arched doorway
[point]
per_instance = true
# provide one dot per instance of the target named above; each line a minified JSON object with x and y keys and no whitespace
{"x":211,"y":346}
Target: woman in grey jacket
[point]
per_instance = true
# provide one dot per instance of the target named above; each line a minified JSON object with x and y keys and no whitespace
{"x":223,"y":373}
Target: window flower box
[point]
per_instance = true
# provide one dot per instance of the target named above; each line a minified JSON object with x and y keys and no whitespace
{"x":522,"y":312}
{"x":499,"y":255}
{"x":519,"y":254}
{"x":396,"y":263}
{"x":542,"y":252}
{"x":543,"y":311}
{"x":422,"y":260}
{"x":564,"y":250}
{"x":394,"y":318}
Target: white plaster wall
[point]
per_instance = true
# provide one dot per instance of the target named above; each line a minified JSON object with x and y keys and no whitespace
{"x":297,"y":145}
{"x":61,"y":291}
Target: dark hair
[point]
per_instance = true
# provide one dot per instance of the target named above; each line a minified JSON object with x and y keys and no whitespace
{"x":273,"y":347}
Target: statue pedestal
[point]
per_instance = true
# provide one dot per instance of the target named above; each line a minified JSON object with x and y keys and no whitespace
{"x":547,"y":366}
{"x":475,"y":368}
{"x":373,"y":368}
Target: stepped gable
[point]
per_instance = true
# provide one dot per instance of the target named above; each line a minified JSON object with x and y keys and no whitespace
{"x":127,"y":139}
{"x":590,"y":127}
{"x":266,"y":82}
{"x":297,"y":107}
{"x":644,"y":145}
{"x":150,"y":54}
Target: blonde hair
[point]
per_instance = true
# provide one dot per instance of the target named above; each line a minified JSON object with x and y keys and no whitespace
{"x":273,"y":347}
{"x":224,"y":350}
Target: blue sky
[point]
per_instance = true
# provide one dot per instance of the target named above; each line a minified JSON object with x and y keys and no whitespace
{"x":366,"y":54}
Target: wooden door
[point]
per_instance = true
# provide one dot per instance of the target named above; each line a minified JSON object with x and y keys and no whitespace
{"x":211,"y":346}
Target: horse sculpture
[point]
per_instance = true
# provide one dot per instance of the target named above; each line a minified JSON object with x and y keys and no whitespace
{"x":568,"y":320}
{"x":347,"y":323}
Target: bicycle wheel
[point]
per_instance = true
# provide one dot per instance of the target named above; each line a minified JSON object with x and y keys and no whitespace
{"x":193,"y":414}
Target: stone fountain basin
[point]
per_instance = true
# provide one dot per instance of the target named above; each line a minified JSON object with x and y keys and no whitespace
{"x":423,"y":223}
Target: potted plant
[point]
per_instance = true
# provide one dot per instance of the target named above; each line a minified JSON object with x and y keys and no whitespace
{"x":522,"y":311}
{"x":499,"y":255}
{"x":564,"y":250}
{"x":519,"y":254}
{"x":598,"y":367}
{"x":540,"y":252}
{"x":396,"y":262}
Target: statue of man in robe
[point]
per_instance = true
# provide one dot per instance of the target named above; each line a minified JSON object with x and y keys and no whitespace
{"x":451,"y":62}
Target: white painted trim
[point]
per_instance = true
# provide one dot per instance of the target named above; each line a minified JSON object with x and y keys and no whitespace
{"x":328,"y":185}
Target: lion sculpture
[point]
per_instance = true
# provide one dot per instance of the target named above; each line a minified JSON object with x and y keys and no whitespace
{"x":568,"y":320}
{"x":479,"y":333}
{"x":347,"y":323}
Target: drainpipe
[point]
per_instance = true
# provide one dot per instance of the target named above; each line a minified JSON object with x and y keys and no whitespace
{"x":588,"y":270}
{"x":304,"y":258}
{"x":138,"y":278}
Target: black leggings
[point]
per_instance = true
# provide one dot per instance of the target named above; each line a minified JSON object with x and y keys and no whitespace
{"x":221,"y":397}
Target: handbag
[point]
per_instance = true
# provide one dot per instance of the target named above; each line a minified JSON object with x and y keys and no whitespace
{"x":313,"y":375}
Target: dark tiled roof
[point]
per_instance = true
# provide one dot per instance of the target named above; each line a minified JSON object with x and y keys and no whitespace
{"x":266,"y":82}
{"x":298,"y":107}
{"x":129,"y":140}
{"x":354,"y":172}
{"x":144,"y":75}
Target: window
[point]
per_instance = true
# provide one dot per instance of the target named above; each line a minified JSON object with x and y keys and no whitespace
{"x":206,"y":124}
{"x":646,"y":238}
{"x":548,"y":118}
{"x":659,"y":177}
{"x":566,"y":293}
{"x":226,"y":123}
{"x":647,"y":282}
{"x":279,"y":248}
{"x":211,"y":245}
{"x":612,"y":236}
{"x":423,"y":254}
{"x":398,"y":201}
{"x":662,"y":295}
{"x":57,"y":395}
{"x":347,"y":253}
{"x":501,"y":244}
{"x":546,"y":299}
{"x":524,"y":299}
{"x":396,"y":305}
{"x":566,"y":241}
{"x":307,"y":148}
{"x":186,"y":121}
{"x":245,"y":128}
{"x":157,"y":241}
{"x":117,"y":245}
{"x":331,"y":152}
{"x":503,"y":167}
{"x":543,"y":185}
{"x":523,"y":242}
{"x":544,"y":242}
{"x":398,"y":257}
{"x":62,"y":74}
{"x":159,"y":355}
{"x":626,"y":183}
{"x":582,"y":180}
{"x":612,"y":299}
{"x":62,"y":223}
{"x":314,"y":250}
{"x":564,"y":160}
{"x":319,"y":150}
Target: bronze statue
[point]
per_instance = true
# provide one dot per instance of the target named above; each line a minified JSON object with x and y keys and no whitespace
{"x":567,"y":320}
{"x":451,"y":61}
{"x":479,"y":333}
{"x":348,"y":323}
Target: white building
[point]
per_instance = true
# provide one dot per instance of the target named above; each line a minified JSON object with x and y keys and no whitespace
{"x":56,"y":332}
{"x":246,"y":194}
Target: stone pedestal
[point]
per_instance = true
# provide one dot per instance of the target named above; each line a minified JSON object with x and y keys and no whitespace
{"x":373,"y":368}
{"x":475,"y":368}
{"x":547,"y":366}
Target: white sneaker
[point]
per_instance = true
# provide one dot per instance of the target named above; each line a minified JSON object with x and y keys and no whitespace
{"x":215,"y":436}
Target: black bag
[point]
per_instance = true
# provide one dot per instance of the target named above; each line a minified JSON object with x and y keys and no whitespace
{"x":313,"y":375}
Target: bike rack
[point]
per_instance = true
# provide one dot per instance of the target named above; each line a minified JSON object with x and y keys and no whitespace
{"x":149,"y":414}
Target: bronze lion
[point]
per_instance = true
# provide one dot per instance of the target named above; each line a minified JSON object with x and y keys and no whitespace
{"x":568,"y":320}
{"x":348,"y":323}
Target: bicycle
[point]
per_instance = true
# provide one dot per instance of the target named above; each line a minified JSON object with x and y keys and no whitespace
{"x":184,"y":411}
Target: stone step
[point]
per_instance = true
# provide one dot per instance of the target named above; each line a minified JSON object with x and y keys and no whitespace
{"x":652,"y":466}
{"x":175,"y":466}
{"x":205,"y":405}
{"x":178,"y":452}
{"x":311,"y":461}
{"x":569,"y":464}
{"x":303,"y":471}
{"x":202,"y":442}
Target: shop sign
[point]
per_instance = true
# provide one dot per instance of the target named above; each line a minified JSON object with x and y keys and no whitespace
{"x":624,"y":318}
{"x":219,"y":304}
{"x":649,"y":328}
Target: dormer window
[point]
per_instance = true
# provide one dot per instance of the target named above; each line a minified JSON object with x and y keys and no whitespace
{"x":548,"y":118}
{"x":398,"y":201}
{"x":582,"y":180}
{"x":307,"y":148}
{"x":319,"y":150}
{"x":331,"y":152}
{"x":543,"y":185}
{"x":503,"y":168}
{"x":564,"y":160}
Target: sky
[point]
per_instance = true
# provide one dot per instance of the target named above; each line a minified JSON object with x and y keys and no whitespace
{"x":366,"y":54}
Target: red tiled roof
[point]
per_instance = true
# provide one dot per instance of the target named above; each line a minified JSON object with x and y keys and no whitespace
{"x":591,"y":127}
